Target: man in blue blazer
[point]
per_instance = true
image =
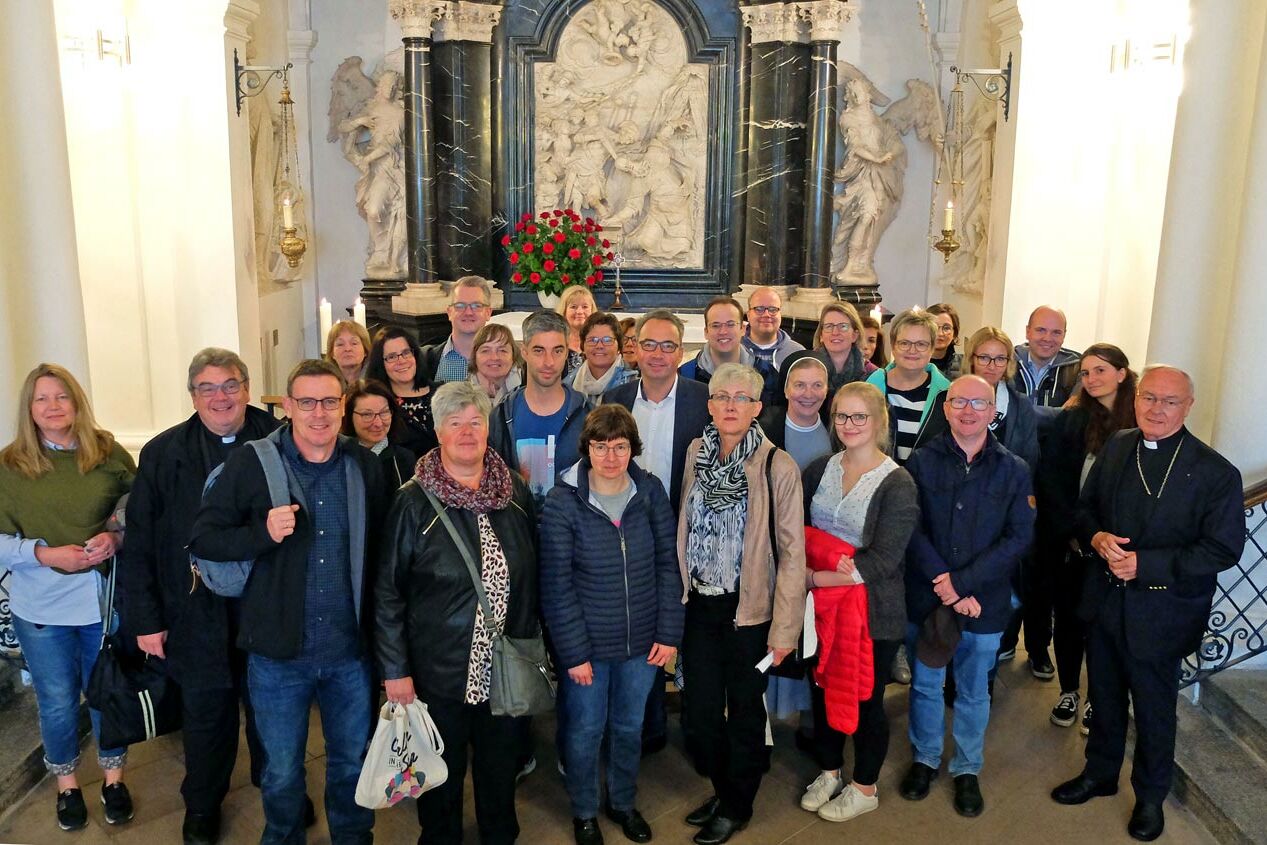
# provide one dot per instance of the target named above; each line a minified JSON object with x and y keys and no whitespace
{"x":1163,"y":512}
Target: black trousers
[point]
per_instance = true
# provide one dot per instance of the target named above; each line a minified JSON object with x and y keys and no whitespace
{"x":1153,"y":686}
{"x":724,"y":698}
{"x":210,"y":735}
{"x":492,"y":741}
{"x":871,"y":740}
{"x":1035,"y":589}
{"x":1070,"y":633}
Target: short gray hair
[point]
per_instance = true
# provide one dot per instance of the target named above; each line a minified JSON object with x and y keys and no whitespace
{"x":456,"y":396}
{"x":541,"y":321}
{"x":735,"y":373}
{"x":1192,"y":385}
{"x":484,"y":286}
{"x":662,"y":314}
{"x":214,"y":356}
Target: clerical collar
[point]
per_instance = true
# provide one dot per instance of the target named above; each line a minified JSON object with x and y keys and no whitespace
{"x":227,"y":439}
{"x":1166,"y":443}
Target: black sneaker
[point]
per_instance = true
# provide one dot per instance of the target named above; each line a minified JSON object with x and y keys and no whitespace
{"x":118,"y":803}
{"x":1040,"y":666}
{"x":1065,"y":713}
{"x":72,"y":813}
{"x":1085,"y":727}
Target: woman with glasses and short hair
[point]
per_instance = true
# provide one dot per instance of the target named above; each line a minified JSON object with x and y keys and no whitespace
{"x":945,"y":358}
{"x":611,"y":595}
{"x":911,"y":384}
{"x":394,"y":363}
{"x":861,"y":496}
{"x":604,"y":366}
{"x":367,"y":416}
{"x":741,"y":547}
{"x":989,"y":354}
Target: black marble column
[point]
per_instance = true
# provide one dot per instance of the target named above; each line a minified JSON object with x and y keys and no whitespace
{"x":778,"y":105}
{"x":818,"y":166}
{"x":420,"y":190}
{"x":462,"y":95}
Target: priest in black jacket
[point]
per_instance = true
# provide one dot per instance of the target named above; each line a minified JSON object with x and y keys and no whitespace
{"x":1165,"y":513}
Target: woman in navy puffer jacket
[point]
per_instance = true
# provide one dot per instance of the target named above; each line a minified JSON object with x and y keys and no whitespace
{"x":611,"y":595}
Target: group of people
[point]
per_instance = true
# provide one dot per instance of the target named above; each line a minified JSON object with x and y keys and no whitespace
{"x":654,"y":519}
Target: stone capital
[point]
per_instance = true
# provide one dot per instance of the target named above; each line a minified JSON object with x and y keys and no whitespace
{"x":826,"y":18}
{"x":238,"y":18}
{"x":775,"y":22}
{"x":466,"y":21}
{"x":299,"y":44}
{"x":417,"y":18}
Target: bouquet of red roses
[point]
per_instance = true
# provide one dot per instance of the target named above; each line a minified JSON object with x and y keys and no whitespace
{"x":556,"y":249}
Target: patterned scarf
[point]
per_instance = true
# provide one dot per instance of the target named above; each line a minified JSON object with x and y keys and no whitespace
{"x":724,"y":483}
{"x":493,"y":493}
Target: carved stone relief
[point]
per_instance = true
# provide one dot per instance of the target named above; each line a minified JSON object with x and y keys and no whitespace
{"x":621,"y":131}
{"x":965,"y":272}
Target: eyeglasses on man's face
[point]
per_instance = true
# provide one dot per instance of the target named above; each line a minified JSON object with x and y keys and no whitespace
{"x":739,"y":399}
{"x":206,"y":389}
{"x":858,"y":420}
{"x":462,"y":307}
{"x":766,"y":309}
{"x":307,"y":403}
{"x":917,"y":345}
{"x":669,"y":346}
{"x":990,"y":360}
{"x":1170,"y":403}
{"x":730,"y":325}
{"x":961,"y":402}
{"x":620,"y":449}
{"x":398,"y":356}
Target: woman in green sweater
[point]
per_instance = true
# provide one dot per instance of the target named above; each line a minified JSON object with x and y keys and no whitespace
{"x":59,"y":482}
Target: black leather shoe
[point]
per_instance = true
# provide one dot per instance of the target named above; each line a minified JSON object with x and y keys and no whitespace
{"x":1147,"y":822}
{"x":968,"y":800}
{"x":310,"y":812}
{"x":718,"y":830}
{"x":1082,"y":789}
{"x":632,"y":824}
{"x":586,"y":832}
{"x":704,"y":813}
{"x":915,"y":785}
{"x":200,"y":829}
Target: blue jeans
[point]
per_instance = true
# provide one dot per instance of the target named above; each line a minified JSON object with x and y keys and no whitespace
{"x":972,"y":662}
{"x":284,"y":691}
{"x":614,"y":704}
{"x":60,"y":658}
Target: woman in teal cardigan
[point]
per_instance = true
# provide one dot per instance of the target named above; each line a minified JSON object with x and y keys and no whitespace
{"x":60,"y":480}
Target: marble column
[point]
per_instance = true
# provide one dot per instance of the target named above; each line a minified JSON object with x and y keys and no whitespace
{"x":1205,"y":194}
{"x":416,"y":19}
{"x":462,"y":96}
{"x":39,"y":269}
{"x":826,"y":19}
{"x":778,"y":104}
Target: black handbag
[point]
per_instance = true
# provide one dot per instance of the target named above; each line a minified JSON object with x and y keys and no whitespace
{"x":136,"y":698}
{"x":520,"y":680}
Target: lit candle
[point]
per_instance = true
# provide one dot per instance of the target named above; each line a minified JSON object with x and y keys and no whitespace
{"x":948,"y":222}
{"x":288,"y":214}
{"x":877,"y":315}
{"x":325,"y":320}
{"x":358,"y":311}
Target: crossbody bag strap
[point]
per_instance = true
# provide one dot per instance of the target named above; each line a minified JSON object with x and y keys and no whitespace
{"x":769,"y":483}
{"x":109,"y":612}
{"x":489,"y":619}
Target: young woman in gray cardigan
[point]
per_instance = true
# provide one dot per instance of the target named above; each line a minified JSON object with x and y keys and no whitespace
{"x":863,"y":497}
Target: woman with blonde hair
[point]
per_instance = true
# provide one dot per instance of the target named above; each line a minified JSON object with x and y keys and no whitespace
{"x":576,"y":305}
{"x":348,"y":348}
{"x":837,"y":344}
{"x":60,"y":480}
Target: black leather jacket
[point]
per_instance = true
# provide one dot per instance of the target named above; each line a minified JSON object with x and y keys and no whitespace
{"x":424,"y":599}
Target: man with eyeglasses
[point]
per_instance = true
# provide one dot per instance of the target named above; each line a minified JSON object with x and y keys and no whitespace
{"x":976,"y":522}
{"x":169,"y":614}
{"x":303,"y":611}
{"x":1046,"y":372}
{"x":1164,"y":513}
{"x":765,"y":339}
{"x":469,"y":309}
{"x":670,"y":411}
{"x":723,"y":332}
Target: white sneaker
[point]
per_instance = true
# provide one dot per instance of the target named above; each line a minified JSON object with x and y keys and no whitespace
{"x":849,"y":803}
{"x":820,"y":791}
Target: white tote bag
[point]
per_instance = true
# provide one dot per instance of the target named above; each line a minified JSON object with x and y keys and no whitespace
{"x":404,"y":758}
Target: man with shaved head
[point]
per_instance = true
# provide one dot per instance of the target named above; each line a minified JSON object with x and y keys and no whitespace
{"x":1046,"y":372}
{"x":976,"y":521}
{"x":1163,"y":512}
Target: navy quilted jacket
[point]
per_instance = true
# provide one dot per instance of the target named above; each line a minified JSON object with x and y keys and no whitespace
{"x":608,"y":592}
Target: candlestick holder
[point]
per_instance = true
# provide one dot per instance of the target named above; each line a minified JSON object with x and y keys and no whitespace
{"x":293,"y":246}
{"x":618,"y":260}
{"x":947,"y":245}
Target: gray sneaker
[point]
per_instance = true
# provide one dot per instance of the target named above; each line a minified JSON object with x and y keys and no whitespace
{"x":901,"y":669}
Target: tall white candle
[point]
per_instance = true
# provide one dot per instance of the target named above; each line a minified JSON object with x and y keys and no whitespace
{"x":877,"y":315}
{"x":358,"y":311}
{"x":948,"y":222}
{"x":288,"y":214}
{"x":325,"y":320}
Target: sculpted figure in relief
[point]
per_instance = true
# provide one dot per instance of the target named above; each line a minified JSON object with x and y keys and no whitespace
{"x":660,"y":200}
{"x":965,"y":272}
{"x":871,"y":176}
{"x":372,"y":139}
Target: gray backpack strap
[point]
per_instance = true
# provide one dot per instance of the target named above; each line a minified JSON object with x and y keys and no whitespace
{"x":489,"y":619}
{"x":274,"y":471}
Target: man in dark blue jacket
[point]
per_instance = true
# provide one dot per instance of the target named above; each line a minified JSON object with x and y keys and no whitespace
{"x":976,"y":521}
